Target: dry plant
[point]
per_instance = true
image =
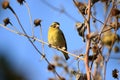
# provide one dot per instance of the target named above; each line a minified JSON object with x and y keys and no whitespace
{"x":95,"y":41}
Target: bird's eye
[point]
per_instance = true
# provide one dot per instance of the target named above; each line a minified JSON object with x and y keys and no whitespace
{"x":54,"y":27}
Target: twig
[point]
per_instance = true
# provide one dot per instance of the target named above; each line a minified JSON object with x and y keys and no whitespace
{"x":88,"y":43}
{"x":78,"y":65}
{"x":97,"y":19}
{"x":42,"y":43}
{"x":107,"y":29}
{"x":31,"y":22}
{"x":10,"y":24}
{"x":108,"y":57}
{"x":77,"y":56}
{"x":5,"y":27}
{"x":100,"y":35}
{"x":106,"y":61}
{"x":106,"y":19}
{"x":31,"y":40}
{"x":41,"y":39}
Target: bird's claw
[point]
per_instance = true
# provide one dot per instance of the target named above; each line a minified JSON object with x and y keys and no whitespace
{"x":49,"y":45}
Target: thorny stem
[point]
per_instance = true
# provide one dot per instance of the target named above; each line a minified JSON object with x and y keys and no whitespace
{"x":88,"y":43}
{"x":31,"y":41}
{"x":31,"y":22}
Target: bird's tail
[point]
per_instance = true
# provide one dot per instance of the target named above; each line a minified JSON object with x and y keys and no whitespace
{"x":66,"y":55}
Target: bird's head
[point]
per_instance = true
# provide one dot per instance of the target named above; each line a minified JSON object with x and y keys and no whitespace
{"x":55,"y":25}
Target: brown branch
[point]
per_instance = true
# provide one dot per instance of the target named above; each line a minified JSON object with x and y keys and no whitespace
{"x":107,"y":30}
{"x":97,"y":19}
{"x":13,"y":31}
{"x":88,"y":42}
{"x":32,"y":45}
{"x":30,"y":16}
{"x":41,"y":37}
{"x":41,"y":41}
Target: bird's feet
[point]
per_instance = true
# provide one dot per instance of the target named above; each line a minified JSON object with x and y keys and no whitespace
{"x":49,"y":45}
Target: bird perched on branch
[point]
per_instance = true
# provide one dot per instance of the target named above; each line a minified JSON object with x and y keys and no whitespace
{"x":56,"y":38}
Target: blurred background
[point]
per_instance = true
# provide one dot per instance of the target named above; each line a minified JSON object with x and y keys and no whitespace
{"x":20,"y":61}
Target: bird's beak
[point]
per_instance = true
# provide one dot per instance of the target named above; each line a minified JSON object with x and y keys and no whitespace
{"x":57,"y":26}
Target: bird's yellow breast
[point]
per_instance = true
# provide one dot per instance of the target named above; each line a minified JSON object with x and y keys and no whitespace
{"x":55,"y":38}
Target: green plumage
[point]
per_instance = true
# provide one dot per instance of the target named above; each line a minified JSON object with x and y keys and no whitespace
{"x":56,"y":38}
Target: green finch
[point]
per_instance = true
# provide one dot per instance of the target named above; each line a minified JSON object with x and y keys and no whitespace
{"x":56,"y":38}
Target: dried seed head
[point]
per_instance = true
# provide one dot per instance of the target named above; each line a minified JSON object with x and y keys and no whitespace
{"x":92,"y":57}
{"x":20,"y":1}
{"x":85,"y":76}
{"x":94,"y":1}
{"x":91,"y":35}
{"x":56,"y":58}
{"x":88,"y":36}
{"x":95,"y":48}
{"x":94,"y":21}
{"x":116,"y":49}
{"x":37,"y":22}
{"x":104,"y":0}
{"x":62,"y":78}
{"x":51,"y":79}
{"x":6,"y":21}
{"x":115,"y":73}
{"x":82,"y":7}
{"x":115,"y":12}
{"x":78,"y":4}
{"x":66,"y":68}
{"x":51,"y":67}
{"x":115,"y":25}
{"x":5,"y":4}
{"x":59,"y":64}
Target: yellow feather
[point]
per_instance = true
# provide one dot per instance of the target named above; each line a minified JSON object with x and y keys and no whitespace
{"x":56,"y":38}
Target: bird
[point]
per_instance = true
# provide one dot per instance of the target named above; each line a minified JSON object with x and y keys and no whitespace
{"x":56,"y":38}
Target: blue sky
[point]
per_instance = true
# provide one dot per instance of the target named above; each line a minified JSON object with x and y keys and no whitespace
{"x":22,"y":54}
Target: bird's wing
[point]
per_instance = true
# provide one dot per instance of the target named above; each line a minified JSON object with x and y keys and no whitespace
{"x":64,"y":39}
